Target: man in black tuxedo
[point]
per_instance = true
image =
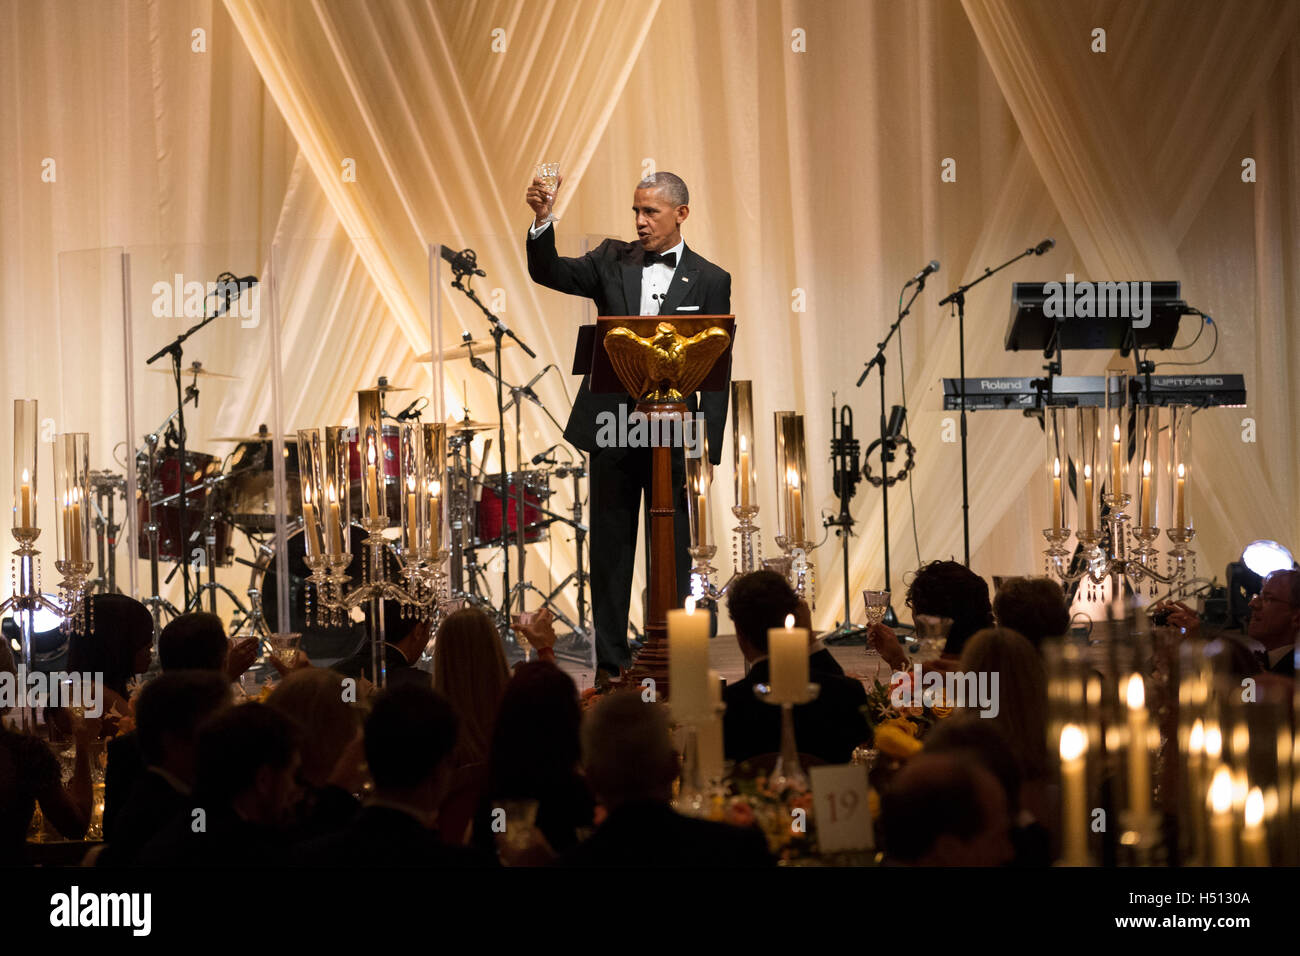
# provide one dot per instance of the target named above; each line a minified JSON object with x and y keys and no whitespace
{"x":1275,"y":621}
{"x":829,"y":727}
{"x":656,"y":275}
{"x":628,"y":756}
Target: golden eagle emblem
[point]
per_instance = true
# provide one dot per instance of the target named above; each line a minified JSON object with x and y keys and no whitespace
{"x":666,"y":366}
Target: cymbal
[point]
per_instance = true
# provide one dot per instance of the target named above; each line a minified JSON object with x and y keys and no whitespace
{"x":263,"y":434}
{"x":480,"y":347}
{"x":469,"y":425}
{"x":385,"y":388}
{"x":196,"y":368}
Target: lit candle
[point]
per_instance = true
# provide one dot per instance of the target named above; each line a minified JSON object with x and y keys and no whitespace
{"x":1087,"y":498}
{"x":1223,"y":853}
{"x":744,"y":473}
{"x":309,"y":522}
{"x":372,"y":479}
{"x":1116,"y":466}
{"x":796,"y":507}
{"x":701,"y":520}
{"x":1196,"y":771}
{"x":1254,"y":850}
{"x":334,"y":535}
{"x":1180,"y":514}
{"x":412,"y":514}
{"x":435,"y":515}
{"x":1058,"y":521}
{"x":1139,"y":775}
{"x":1074,"y":813}
{"x":787,"y":655}
{"x":1146,"y":493}
{"x":67,"y":525}
{"x":688,"y":663}
{"x":26,"y":495}
{"x":78,"y":548}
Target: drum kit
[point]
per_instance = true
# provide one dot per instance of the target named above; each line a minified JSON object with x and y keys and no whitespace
{"x":235,"y":495}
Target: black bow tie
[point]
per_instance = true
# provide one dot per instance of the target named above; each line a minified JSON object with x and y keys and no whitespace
{"x":668,"y":258}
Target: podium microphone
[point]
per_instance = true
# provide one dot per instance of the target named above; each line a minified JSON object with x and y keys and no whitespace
{"x":1044,"y":246}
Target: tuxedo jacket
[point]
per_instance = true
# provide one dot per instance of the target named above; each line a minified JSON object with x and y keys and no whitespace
{"x":648,"y":834}
{"x":828,"y":727}
{"x":610,"y":275}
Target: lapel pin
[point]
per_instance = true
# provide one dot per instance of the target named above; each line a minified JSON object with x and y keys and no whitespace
{"x":684,"y":279}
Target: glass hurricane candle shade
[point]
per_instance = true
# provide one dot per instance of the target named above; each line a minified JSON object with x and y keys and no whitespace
{"x":432,"y":483}
{"x":413,"y":503}
{"x":1058,"y":467}
{"x":794,"y":487}
{"x":1146,"y":477}
{"x":699,"y":478}
{"x":374,"y":503}
{"x":334,"y":493}
{"x":778,"y":429}
{"x":26,"y":425}
{"x":742,"y":432}
{"x":72,"y":507}
{"x":314,"y":512}
{"x":1179,"y":516}
{"x":1116,"y":437}
{"x":1087,"y":484}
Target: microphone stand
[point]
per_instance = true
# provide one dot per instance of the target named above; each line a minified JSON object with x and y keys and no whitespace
{"x":464,"y":269}
{"x":886,"y":442}
{"x":959,"y":297}
{"x":174,"y":349}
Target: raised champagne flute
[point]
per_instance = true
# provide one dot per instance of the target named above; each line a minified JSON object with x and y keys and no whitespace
{"x":549,"y":175}
{"x":877,"y":607}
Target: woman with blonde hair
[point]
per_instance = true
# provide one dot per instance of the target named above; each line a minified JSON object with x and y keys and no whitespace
{"x":469,"y":670}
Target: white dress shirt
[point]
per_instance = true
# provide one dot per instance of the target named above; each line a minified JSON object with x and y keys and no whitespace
{"x":655,"y":279}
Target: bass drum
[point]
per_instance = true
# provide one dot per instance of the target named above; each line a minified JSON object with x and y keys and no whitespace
{"x":318,"y":641}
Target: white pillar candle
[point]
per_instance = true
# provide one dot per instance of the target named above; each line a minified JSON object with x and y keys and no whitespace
{"x":334,"y":533}
{"x":1222,"y":851}
{"x":787,"y":655}
{"x":372,"y":480}
{"x":1058,"y":521}
{"x":1117,"y":466}
{"x":744,"y":473}
{"x":1074,"y":812}
{"x":709,"y":733}
{"x":1087,"y":498}
{"x":310,"y":532}
{"x":1139,"y":774}
{"x":78,"y":547}
{"x":1254,"y":849}
{"x":435,"y":515}
{"x":688,"y":663}
{"x":1146,"y":494}
{"x":1180,"y":506}
{"x":26,"y":496}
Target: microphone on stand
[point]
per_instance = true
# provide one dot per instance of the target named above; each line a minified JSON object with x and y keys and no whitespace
{"x":931,"y":267}
{"x":463,"y":262}
{"x":1044,"y":246}
{"x":545,"y":456}
{"x":413,"y":410}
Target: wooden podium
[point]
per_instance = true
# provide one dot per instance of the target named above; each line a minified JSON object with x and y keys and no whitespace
{"x":659,"y":360}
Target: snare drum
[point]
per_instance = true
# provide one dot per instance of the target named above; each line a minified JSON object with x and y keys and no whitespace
{"x":487,"y":512}
{"x":201,"y":474}
{"x":390,"y":467}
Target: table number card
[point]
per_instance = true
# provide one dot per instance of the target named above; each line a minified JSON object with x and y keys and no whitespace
{"x":840,"y":804}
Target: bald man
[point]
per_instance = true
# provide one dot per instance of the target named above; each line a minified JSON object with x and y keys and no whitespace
{"x":1275,"y":621}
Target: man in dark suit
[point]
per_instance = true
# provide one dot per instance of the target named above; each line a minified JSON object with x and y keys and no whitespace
{"x":629,"y":759}
{"x":409,"y":738}
{"x":656,"y":275}
{"x":405,"y":638}
{"x":168,"y":715}
{"x":829,"y":727}
{"x":1275,"y":621}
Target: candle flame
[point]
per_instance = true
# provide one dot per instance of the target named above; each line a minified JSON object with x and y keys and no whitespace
{"x":410,"y":483}
{"x":1213,"y":741}
{"x":743,"y":446}
{"x":1254,"y":807}
{"x":1196,"y":739}
{"x":789,"y":622}
{"x":26,"y":477}
{"x":792,"y":477}
{"x":1073,"y":742}
{"x":1146,"y":468}
{"x":1136,"y":692}
{"x":306,"y":492}
{"x":333,"y":497}
{"x":1087,"y":471}
{"x":1221,"y":791}
{"x":1056,"y":468}
{"x":370,"y":451}
{"x":690,"y":604}
{"x":1181,"y":472}
{"x":1116,"y":438}
{"x":435,"y":487}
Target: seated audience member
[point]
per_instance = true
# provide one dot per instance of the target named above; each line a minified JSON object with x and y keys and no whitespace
{"x":30,"y":776}
{"x":469,"y":671}
{"x":118,"y":644}
{"x":333,"y":755}
{"x":988,"y":744}
{"x":1033,"y":607}
{"x":168,"y":714}
{"x":1275,"y":622}
{"x":829,"y":727}
{"x":1021,"y":693}
{"x":940,"y":589}
{"x":629,"y":758}
{"x":409,"y":737}
{"x":536,"y":751}
{"x":405,"y":639}
{"x":245,"y":789}
{"x":945,"y":809}
{"x":190,"y":642}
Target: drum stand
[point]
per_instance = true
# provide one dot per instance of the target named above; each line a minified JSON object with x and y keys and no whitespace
{"x":155,"y":602}
{"x":106,"y":486}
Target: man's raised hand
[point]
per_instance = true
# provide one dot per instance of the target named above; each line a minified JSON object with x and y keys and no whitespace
{"x":539,"y":200}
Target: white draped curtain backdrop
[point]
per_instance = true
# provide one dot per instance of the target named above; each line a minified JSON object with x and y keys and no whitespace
{"x":335,"y":140}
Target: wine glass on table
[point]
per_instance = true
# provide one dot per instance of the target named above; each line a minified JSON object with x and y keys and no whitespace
{"x":548,"y":174}
{"x":877,"y":607}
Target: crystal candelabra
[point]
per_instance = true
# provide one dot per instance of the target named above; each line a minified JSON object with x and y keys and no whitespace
{"x":419,"y":550}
